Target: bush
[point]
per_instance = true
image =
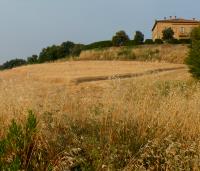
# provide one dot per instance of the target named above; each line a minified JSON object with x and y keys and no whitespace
{"x":18,"y":150}
{"x":148,"y":41}
{"x":174,"y":41}
{"x":13,"y":63}
{"x":185,"y":41}
{"x":130,"y":43}
{"x":158,"y":41}
{"x":193,"y":60}
{"x":99,"y":45}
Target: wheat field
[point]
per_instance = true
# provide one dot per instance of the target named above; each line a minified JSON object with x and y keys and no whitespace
{"x":150,"y":122}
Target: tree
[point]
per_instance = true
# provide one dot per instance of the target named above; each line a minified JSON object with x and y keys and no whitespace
{"x":13,"y":63}
{"x":32,"y":60}
{"x":139,"y":37}
{"x":76,"y":50}
{"x":193,"y":59}
{"x":168,"y":34}
{"x":120,"y":38}
{"x":50,"y":54}
{"x":66,"y":48}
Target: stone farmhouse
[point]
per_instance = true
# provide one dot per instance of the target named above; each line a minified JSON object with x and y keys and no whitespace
{"x":181,"y":27}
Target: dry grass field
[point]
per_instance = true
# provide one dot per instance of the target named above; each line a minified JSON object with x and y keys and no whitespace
{"x":162,"y":53}
{"x":151,"y":122}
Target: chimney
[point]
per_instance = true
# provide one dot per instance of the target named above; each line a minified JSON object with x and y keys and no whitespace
{"x":194,"y":19}
{"x":165,"y":18}
{"x":170,"y":17}
{"x":175,"y":17}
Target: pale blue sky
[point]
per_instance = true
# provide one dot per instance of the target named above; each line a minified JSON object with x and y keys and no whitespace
{"x":26,"y":26}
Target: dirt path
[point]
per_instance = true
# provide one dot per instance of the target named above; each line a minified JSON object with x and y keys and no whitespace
{"x":123,"y":76}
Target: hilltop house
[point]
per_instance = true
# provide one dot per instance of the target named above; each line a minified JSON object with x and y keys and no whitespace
{"x":181,"y":27}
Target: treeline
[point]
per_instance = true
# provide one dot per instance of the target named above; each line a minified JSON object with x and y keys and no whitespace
{"x":70,"y":49}
{"x":50,"y":53}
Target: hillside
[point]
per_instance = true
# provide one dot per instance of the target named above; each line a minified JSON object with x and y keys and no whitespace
{"x":142,"y":121}
{"x":163,"y":53}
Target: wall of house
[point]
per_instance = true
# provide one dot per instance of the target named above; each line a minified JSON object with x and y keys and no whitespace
{"x":181,"y":30}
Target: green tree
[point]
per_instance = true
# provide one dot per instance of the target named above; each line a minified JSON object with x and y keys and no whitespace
{"x":193,"y":59}
{"x":76,"y":50}
{"x":168,"y":34}
{"x":32,"y":59}
{"x":50,"y":54}
{"x":139,"y":37}
{"x":66,"y":48}
{"x":13,"y":63}
{"x":120,"y":38}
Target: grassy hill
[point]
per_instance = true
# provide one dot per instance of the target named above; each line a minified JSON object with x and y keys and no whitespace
{"x":147,"y":121}
{"x":163,"y":53}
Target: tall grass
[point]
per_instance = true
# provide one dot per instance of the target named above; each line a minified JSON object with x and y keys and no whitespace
{"x":150,"y":123}
{"x":167,"y":53}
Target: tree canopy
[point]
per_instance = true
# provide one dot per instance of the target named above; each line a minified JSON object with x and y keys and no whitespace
{"x":139,"y":37}
{"x":168,"y":34}
{"x":120,"y":38}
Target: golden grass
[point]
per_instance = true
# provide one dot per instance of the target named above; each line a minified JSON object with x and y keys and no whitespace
{"x":164,"y":53}
{"x":160,"y":112}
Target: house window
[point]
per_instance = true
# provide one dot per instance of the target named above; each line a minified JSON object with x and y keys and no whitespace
{"x":182,"y":30}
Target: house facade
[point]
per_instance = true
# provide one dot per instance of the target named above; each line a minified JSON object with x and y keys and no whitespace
{"x":181,"y":27}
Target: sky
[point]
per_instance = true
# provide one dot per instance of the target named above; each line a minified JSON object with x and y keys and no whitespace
{"x":27,"y":26}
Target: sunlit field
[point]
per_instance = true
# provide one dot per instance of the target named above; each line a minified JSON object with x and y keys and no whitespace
{"x":162,"y":53}
{"x":150,"y":122}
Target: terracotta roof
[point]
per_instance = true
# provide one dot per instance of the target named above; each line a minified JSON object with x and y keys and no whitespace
{"x":178,"y":20}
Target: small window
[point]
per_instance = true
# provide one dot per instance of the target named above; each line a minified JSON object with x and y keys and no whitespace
{"x":182,"y":30}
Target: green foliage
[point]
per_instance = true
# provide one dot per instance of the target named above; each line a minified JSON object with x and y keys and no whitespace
{"x":168,"y":34}
{"x":50,"y":54}
{"x":195,"y":34}
{"x":180,"y":41}
{"x":19,"y":149}
{"x":148,"y":41}
{"x":32,"y":60}
{"x":66,"y":49}
{"x":185,"y":41}
{"x":174,"y":41}
{"x":99,"y":45}
{"x":130,"y":43}
{"x":193,"y":59}
{"x":76,"y":50}
{"x":158,"y":41}
{"x":120,"y":38}
{"x":139,"y":37}
{"x":13,"y":63}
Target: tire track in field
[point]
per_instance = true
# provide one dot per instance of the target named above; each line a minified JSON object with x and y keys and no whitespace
{"x":124,"y":76}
